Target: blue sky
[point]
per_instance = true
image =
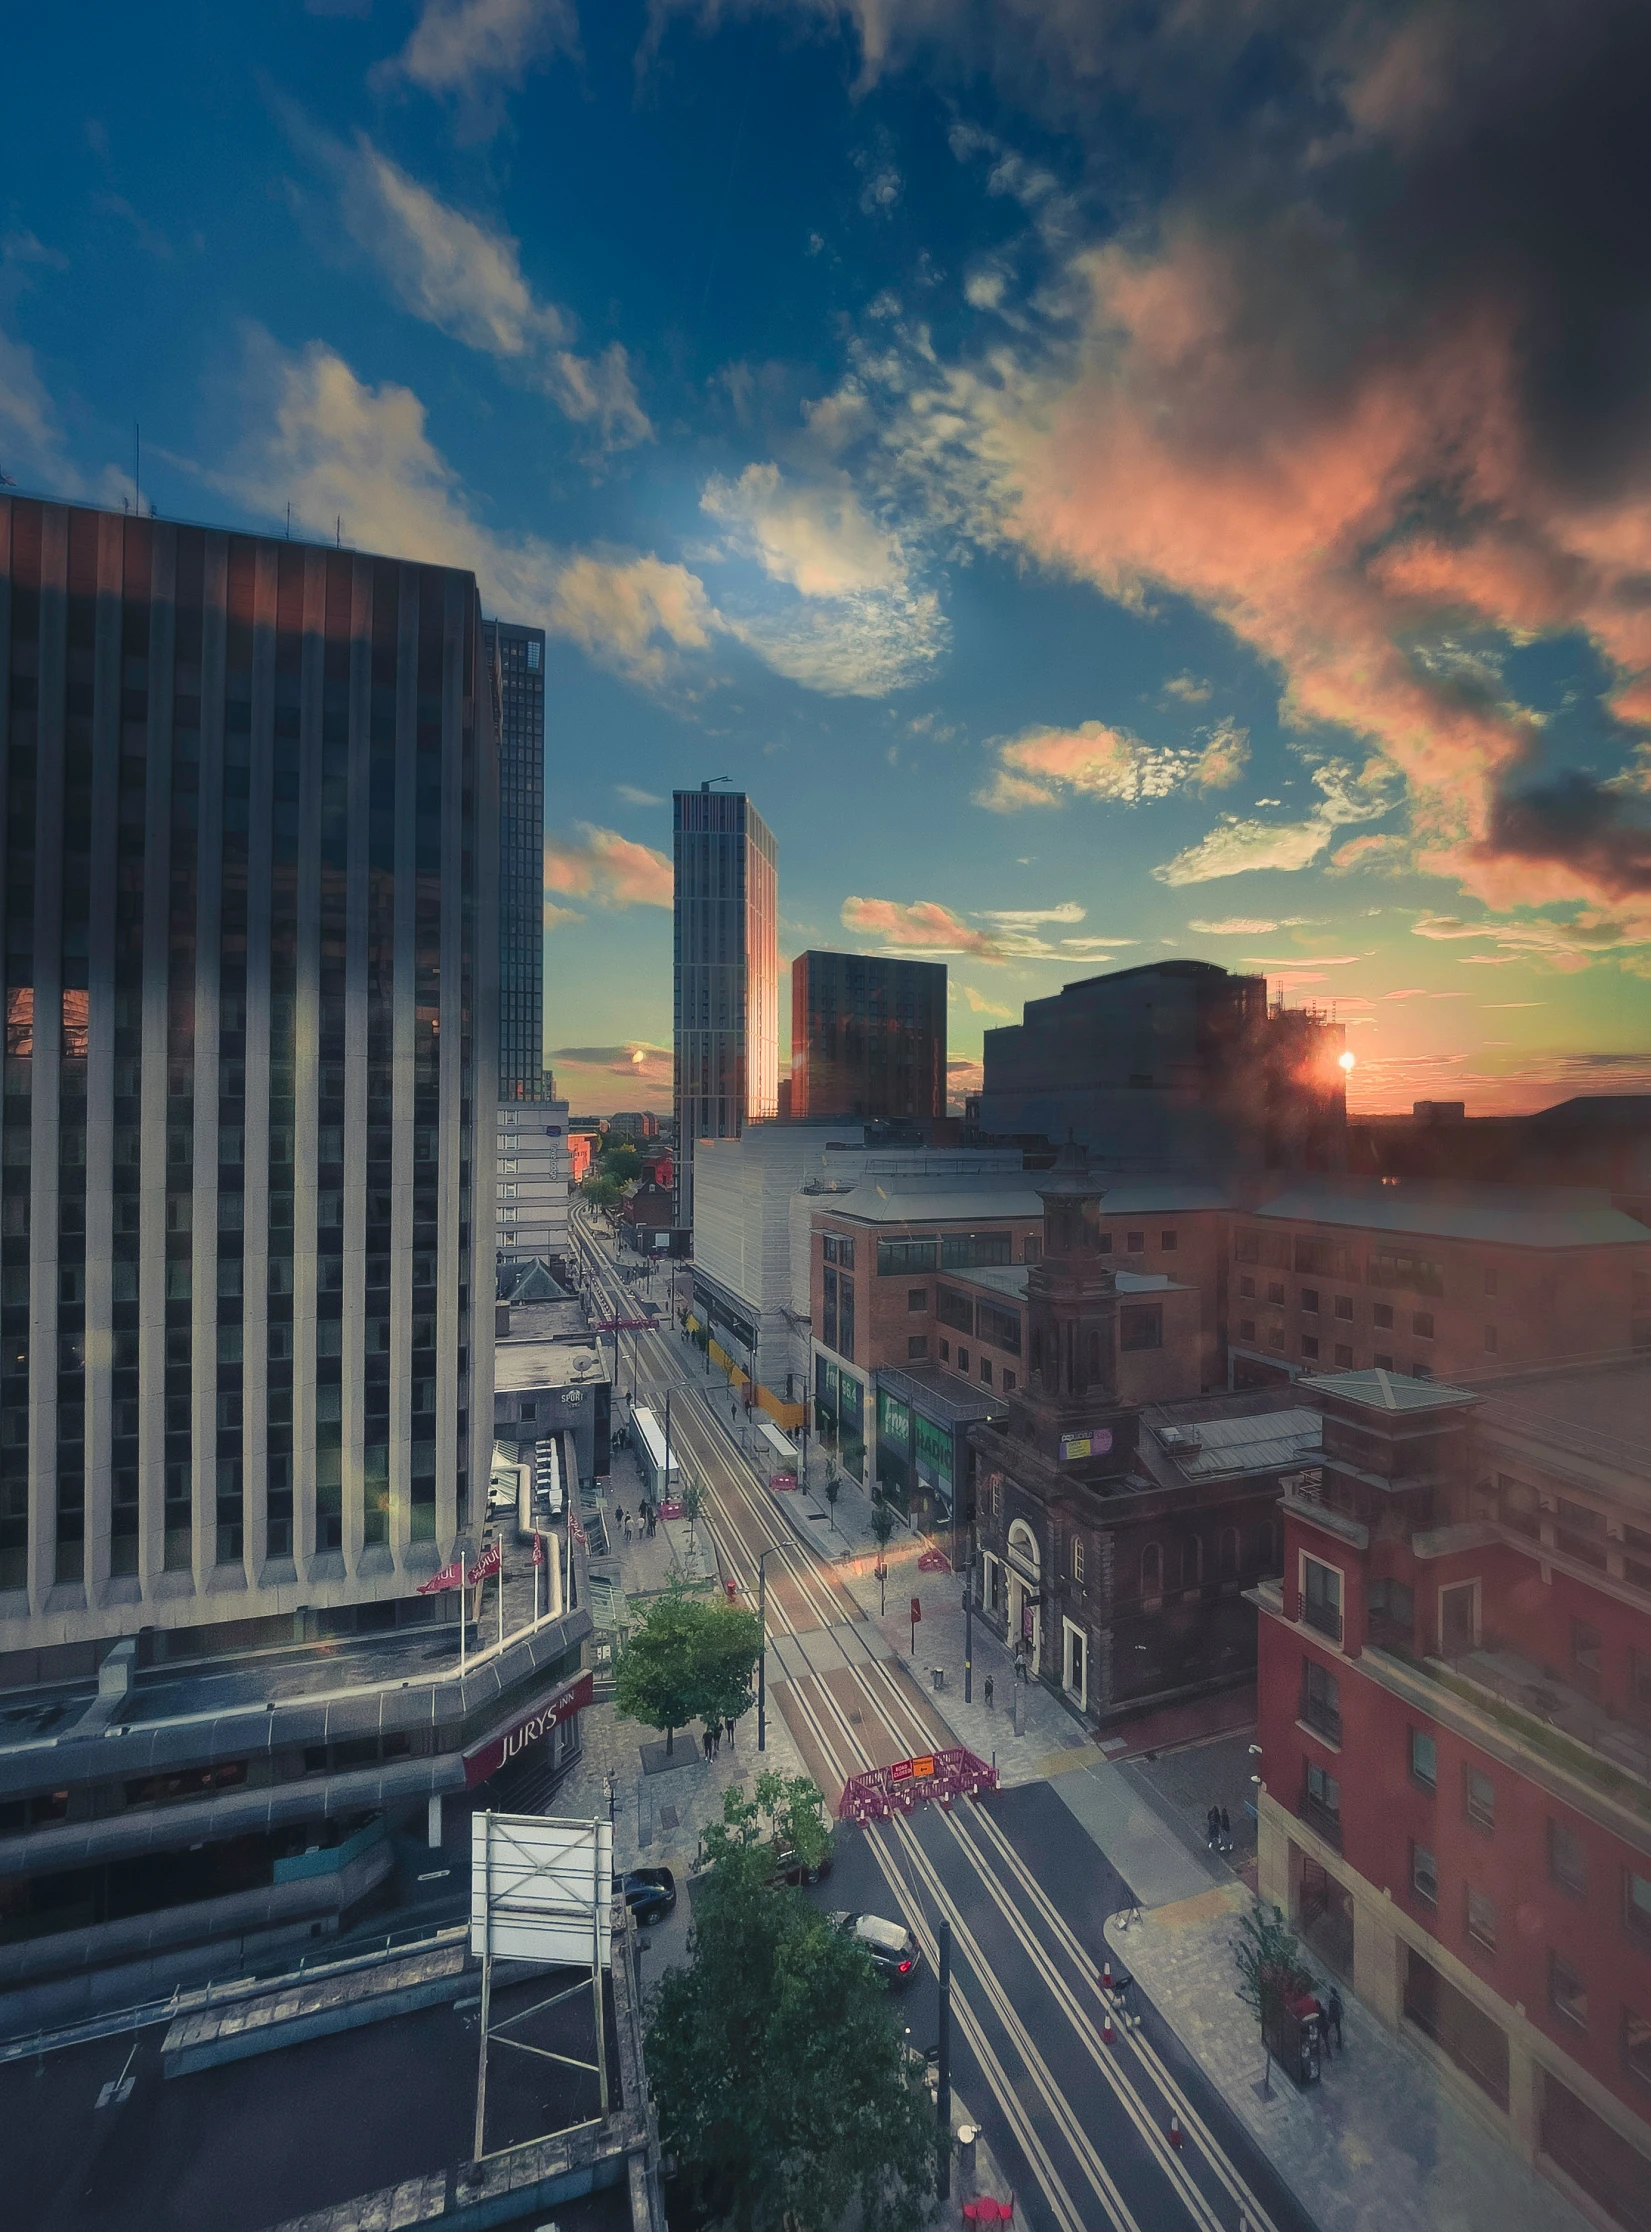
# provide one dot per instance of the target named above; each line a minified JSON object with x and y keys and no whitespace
{"x":1106,"y":482}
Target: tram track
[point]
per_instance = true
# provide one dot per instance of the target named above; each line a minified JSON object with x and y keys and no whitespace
{"x":1206,"y":2187}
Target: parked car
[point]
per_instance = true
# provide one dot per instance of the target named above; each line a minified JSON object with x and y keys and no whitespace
{"x":788,"y":1868}
{"x":650,"y":1893}
{"x":891,"y":1946}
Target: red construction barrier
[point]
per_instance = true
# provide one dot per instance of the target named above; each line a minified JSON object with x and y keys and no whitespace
{"x":945,"y":1775}
{"x":934,"y":1561}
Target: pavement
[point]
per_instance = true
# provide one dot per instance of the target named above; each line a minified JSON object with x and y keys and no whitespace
{"x":1376,"y":2146}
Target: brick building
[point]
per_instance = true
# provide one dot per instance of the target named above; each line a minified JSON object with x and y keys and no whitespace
{"x":1114,"y":1540}
{"x":1455,"y":1731}
{"x":1432,"y":1280}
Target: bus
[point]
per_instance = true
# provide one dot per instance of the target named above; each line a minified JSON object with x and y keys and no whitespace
{"x":660,"y":1471}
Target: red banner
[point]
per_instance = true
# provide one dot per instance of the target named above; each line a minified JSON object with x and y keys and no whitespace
{"x":454,"y":1574}
{"x":490,"y":1755}
{"x":449,"y":1577}
{"x":486,"y":1565}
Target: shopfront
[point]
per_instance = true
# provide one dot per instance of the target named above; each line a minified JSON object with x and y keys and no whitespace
{"x":840,"y":1415}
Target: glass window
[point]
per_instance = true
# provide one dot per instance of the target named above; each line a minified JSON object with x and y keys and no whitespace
{"x":1636,"y":2045}
{"x":1424,"y":1874}
{"x":1479,"y":1797}
{"x":1077,"y":1558}
{"x":1586,"y":1643}
{"x":1481,"y":1921}
{"x":1636,"y":1905}
{"x":1321,"y":1598}
{"x":917,"y":1298}
{"x":1321,"y":1700}
{"x":1141,"y":1326}
{"x":1567,"y":1993}
{"x":1134,"y":1243}
{"x":1567,"y":1860}
{"x":1310,"y":1300}
{"x":917,"y":1345}
{"x":1424,"y":1759}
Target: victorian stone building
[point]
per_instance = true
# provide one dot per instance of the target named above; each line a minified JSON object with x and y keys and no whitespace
{"x":1114,"y":1540}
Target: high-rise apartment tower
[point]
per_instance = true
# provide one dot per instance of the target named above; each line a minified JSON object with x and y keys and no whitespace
{"x":251,"y":992}
{"x":516,"y":657}
{"x":727,"y":974}
{"x":868,"y":1037}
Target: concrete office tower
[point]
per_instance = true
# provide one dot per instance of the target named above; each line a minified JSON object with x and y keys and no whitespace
{"x":516,"y":657}
{"x":251,"y":958}
{"x":534,"y":1209}
{"x":727,"y":977}
{"x":868,"y":1037}
{"x":1173,"y":1067}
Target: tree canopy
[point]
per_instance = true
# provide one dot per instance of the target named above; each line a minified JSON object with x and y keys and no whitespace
{"x":690,"y":1658}
{"x":783,"y":2083}
{"x":790,"y":1808}
{"x":1271,"y":1967}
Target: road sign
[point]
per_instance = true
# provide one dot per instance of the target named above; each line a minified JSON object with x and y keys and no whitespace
{"x":916,"y":1611}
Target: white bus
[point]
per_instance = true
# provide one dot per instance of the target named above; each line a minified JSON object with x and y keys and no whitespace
{"x":659,"y":1467}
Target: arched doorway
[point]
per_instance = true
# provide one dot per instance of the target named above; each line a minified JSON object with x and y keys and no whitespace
{"x":1025,"y":1581}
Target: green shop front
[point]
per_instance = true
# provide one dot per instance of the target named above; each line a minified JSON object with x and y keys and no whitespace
{"x":841,"y":1414}
{"x":923,"y":1421}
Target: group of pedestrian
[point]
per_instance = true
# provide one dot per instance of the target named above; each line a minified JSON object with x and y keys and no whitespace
{"x":711,"y":1737}
{"x":646,"y":1517}
{"x":1218,"y":1833}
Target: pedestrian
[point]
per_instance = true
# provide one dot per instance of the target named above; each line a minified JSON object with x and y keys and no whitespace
{"x":705,"y":1741}
{"x":729,"y":1725}
{"x":1226,"y":1832}
{"x":653,"y":1518}
{"x":619,"y":1515}
{"x":716,"y":1739}
{"x":1332,"y":2016}
{"x":1212,"y":1827}
{"x":989,"y":1705}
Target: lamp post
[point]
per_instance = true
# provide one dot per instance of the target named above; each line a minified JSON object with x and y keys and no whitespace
{"x":762,"y":1654}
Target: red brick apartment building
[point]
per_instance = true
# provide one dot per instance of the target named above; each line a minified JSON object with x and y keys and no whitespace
{"x":1455,"y":1733}
{"x":1432,"y":1280}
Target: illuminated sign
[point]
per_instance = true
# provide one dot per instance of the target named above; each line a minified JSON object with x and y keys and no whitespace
{"x":1093,"y":1444}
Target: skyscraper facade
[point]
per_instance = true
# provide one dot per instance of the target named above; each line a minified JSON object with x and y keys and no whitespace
{"x":727,"y":974}
{"x":868,"y":1037}
{"x":251,"y":996}
{"x":516,"y":660}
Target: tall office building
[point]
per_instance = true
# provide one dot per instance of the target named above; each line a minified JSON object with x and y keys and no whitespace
{"x":868,"y":1037}
{"x":251,"y":962}
{"x":516,"y":661}
{"x":727,"y":974}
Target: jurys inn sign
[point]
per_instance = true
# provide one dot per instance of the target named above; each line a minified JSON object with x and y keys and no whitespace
{"x":510,"y":1742}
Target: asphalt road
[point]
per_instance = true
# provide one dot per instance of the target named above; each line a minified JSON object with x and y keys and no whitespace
{"x":1080,"y":2124}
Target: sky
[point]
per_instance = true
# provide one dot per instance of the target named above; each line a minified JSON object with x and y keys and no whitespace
{"x":1110,"y":478}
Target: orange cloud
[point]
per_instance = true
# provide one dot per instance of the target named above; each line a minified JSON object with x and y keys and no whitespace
{"x":608,"y":870}
{"x":922,"y":927}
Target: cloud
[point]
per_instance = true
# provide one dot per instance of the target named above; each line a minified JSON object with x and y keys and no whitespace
{"x":1591,"y":936}
{"x":473,"y":49}
{"x":1347,"y":385}
{"x":856,"y":623}
{"x":1040,"y":766}
{"x":1303,"y":961}
{"x":980,"y":1005}
{"x":467,"y":281}
{"x":336,"y":449}
{"x":1235,"y":926}
{"x":608,"y":870}
{"x":31,"y":439}
{"x":921,"y":926}
{"x":634,"y":797}
{"x":1024,"y":918}
{"x":1191,"y":689}
{"x":1235,"y":846}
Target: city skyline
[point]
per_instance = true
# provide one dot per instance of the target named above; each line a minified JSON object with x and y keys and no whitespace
{"x":865,"y":421}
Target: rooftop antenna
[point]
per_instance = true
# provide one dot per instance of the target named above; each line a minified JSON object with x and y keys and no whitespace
{"x":338,"y":530}
{"x":289,"y":522}
{"x":137,"y":468}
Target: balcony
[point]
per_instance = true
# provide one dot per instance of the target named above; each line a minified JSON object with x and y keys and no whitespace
{"x":1322,"y":1718}
{"x":1321,"y":1820}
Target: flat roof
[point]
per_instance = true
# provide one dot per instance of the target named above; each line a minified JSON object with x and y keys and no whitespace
{"x":1599,"y":1410}
{"x":914,"y":1203}
{"x":526,"y":1367}
{"x":943,"y":1395}
{"x":1507,"y":1216}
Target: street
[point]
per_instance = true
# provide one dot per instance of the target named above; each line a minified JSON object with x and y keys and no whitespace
{"x":1082,"y":2126}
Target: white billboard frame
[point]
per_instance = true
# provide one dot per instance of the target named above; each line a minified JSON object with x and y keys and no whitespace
{"x":541,"y":1890}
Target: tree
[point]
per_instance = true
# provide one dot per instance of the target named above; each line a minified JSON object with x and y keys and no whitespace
{"x":693,"y":1503}
{"x":1271,"y":1969}
{"x":794,"y":1808}
{"x":882,"y":1527}
{"x":783,"y":2085}
{"x":620,"y":1161}
{"x":602,"y":1192}
{"x":690,"y":1658}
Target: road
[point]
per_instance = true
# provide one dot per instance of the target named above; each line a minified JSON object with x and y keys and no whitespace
{"x":1081,"y":2125}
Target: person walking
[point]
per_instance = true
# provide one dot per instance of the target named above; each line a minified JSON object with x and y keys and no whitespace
{"x":705,"y":1741}
{"x":729,"y":1725}
{"x":619,"y":1515}
{"x":1332,"y":2017}
{"x":1212,"y":1827}
{"x":716,"y":1739}
{"x":989,"y":1705}
{"x":1226,"y":1832}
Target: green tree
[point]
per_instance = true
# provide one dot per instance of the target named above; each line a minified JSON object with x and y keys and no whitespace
{"x":620,"y":1161}
{"x":882,"y":1527}
{"x":1271,"y":1967}
{"x":690,"y":1658}
{"x":783,"y":2084}
{"x":693,"y":1504}
{"x":794,"y":1808}
{"x":602,"y":1191}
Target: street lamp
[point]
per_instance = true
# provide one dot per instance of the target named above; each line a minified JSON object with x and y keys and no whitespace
{"x":762,"y":1654}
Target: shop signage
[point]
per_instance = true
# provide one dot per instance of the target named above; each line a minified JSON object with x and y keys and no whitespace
{"x":912,"y":1770}
{"x":1096,"y":1443}
{"x":934,"y":1446}
{"x":893,"y":1420}
{"x":487,"y":1758}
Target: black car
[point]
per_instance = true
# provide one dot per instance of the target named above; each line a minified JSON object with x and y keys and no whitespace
{"x":650,"y":1893}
